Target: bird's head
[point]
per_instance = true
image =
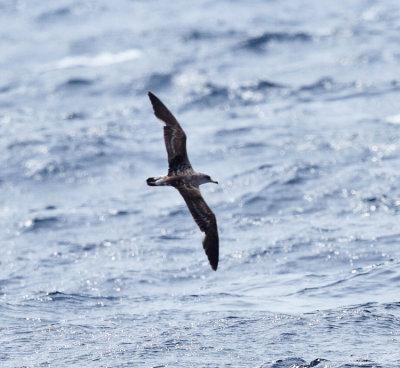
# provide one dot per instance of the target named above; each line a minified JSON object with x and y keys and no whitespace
{"x":206,"y":179}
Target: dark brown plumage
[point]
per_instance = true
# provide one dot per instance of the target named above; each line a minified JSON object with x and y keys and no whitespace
{"x":182,"y":176}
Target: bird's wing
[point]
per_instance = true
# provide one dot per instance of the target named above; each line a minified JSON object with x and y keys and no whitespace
{"x":174,"y":137}
{"x":206,"y":221}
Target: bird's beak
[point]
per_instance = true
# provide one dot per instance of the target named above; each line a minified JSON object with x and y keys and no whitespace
{"x":213,"y":181}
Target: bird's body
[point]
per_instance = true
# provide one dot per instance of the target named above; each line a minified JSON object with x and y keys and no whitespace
{"x":182,"y":177}
{"x":195,"y":179}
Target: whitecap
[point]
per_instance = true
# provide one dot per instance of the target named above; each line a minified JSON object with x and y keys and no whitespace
{"x":395,"y":119}
{"x":102,"y":59}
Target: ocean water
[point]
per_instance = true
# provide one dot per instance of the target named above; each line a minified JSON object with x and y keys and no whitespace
{"x":292,"y":106}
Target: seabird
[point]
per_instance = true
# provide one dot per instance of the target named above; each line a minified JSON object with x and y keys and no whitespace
{"x":182,"y":177}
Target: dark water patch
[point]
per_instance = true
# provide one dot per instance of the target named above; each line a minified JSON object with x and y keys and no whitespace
{"x":264,"y":84}
{"x":75,"y":116}
{"x":255,"y":200}
{"x":50,"y":208}
{"x":261,"y":85}
{"x":326,"y":88}
{"x":26,"y":143}
{"x":247,"y":94}
{"x":78,"y":82}
{"x":330,"y":90}
{"x":75,"y":83}
{"x":54,"y":15}
{"x":89,"y":247}
{"x":370,"y":57}
{"x":302,"y":172}
{"x":158,"y":81}
{"x":118,"y":213}
{"x":371,"y":199}
{"x":177,"y":212}
{"x":190,"y":297}
{"x":319,"y":288}
{"x":322,"y":84}
{"x":40,"y":223}
{"x":380,"y":202}
{"x":295,"y":180}
{"x":356,"y":89}
{"x":351,"y":282}
{"x":210,"y":95}
{"x":251,"y":171}
{"x":250,"y":145}
{"x":197,"y":35}
{"x":6,"y":88}
{"x":395,"y":83}
{"x":355,"y":95}
{"x":264,"y":167}
{"x":393,"y":306}
{"x":57,"y":296}
{"x":203,"y":35}
{"x":168,"y":237}
{"x":233,"y":131}
{"x":258,"y":43}
{"x":11,"y":280}
{"x":389,"y":239}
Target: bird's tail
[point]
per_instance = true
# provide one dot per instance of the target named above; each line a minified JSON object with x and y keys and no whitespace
{"x":151,"y":182}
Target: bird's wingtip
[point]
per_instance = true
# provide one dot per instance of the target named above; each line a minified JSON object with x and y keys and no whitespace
{"x":151,"y":96}
{"x":155,"y":101}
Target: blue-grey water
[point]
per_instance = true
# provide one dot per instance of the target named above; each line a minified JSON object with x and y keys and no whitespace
{"x":293,"y":106}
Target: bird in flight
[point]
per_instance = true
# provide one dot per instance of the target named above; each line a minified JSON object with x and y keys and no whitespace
{"x":182,"y":177}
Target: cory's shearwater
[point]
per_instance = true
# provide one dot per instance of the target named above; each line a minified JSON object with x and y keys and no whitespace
{"x":182,"y":177}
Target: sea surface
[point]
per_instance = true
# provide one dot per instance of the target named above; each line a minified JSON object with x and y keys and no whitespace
{"x":293,"y":106}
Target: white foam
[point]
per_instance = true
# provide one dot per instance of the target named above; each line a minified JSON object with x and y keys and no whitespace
{"x":395,"y":119}
{"x":103,"y":59}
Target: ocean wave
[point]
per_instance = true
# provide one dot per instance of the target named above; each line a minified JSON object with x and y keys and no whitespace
{"x":58,"y":296}
{"x":94,"y":61}
{"x":40,"y":223}
{"x":74,"y":83}
{"x":73,"y":155}
{"x":259,"y":91}
{"x":233,"y":131}
{"x":323,"y":84}
{"x":75,"y":116}
{"x":295,"y":362}
{"x":54,"y":14}
{"x":258,"y":43}
{"x":211,"y":94}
